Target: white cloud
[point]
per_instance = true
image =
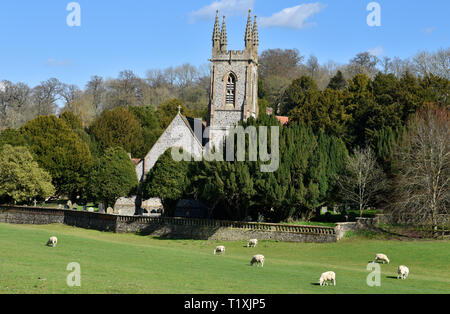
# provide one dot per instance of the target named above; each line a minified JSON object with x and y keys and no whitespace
{"x":226,"y":7}
{"x":295,"y":17}
{"x":377,"y":51}
{"x":429,"y":30}
{"x":57,"y":63}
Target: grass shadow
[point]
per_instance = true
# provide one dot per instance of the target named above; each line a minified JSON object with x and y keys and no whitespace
{"x":392,"y":277}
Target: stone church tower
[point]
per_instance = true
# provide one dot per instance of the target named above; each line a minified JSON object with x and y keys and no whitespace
{"x":234,"y":81}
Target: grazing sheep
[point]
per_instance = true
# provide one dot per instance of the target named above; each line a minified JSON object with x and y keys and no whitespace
{"x":258,"y":260}
{"x":219,"y":249}
{"x":252,"y":243}
{"x":381,"y":257}
{"x":326,"y":277}
{"x":403,"y":272}
{"x":53,"y":241}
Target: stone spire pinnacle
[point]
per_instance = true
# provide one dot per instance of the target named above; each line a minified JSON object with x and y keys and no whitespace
{"x":223,"y":36}
{"x":216,"y":33}
{"x":255,"y":33}
{"x":248,"y":31}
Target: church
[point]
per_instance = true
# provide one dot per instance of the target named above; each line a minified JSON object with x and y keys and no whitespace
{"x":233,"y":98}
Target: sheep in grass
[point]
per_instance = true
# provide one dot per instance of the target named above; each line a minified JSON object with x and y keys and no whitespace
{"x":381,"y":258}
{"x":403,"y":272}
{"x":258,"y":260}
{"x":326,"y":277}
{"x":252,"y":243}
{"x":219,"y":249}
{"x":53,"y":241}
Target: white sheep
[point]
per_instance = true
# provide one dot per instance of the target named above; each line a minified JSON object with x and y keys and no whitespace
{"x":219,"y":249}
{"x":381,"y":257}
{"x":326,"y":277}
{"x":252,"y":243}
{"x":403,"y":272}
{"x":258,"y":260}
{"x":53,"y":241}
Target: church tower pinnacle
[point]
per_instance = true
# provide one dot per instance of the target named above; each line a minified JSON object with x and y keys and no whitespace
{"x":223,"y":37}
{"x":216,"y":34}
{"x":248,"y":31}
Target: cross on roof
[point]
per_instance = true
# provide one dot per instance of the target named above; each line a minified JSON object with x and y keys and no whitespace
{"x":179,"y":109}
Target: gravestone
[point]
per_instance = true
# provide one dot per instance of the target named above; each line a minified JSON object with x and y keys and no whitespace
{"x":323,"y":210}
{"x":60,"y":206}
{"x":91,"y":209}
{"x":84,"y":207}
{"x":110,"y":211}
{"x":69,"y":205}
{"x":101,"y":208}
{"x":75,"y":206}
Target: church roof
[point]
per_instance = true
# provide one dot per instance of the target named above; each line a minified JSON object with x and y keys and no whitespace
{"x":190,"y":122}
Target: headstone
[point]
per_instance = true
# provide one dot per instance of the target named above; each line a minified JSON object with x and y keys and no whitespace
{"x":69,"y":205}
{"x":324,"y":210}
{"x":60,"y":206}
{"x":110,"y":211}
{"x":91,"y":209}
{"x":35,"y":203}
{"x":84,"y":207}
{"x":75,"y":206}
{"x":101,"y":209}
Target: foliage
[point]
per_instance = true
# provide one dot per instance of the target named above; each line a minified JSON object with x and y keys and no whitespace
{"x":113,"y":176}
{"x":60,"y":151}
{"x":168,"y":110}
{"x":118,"y":127}
{"x":12,"y":137}
{"x":167,"y":180}
{"x":22,"y":179}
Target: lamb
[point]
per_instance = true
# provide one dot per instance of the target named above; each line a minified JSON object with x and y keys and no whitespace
{"x":403,"y":272}
{"x":53,"y":241}
{"x":252,"y":243}
{"x":328,"y":276}
{"x":219,"y":249}
{"x":381,"y":257}
{"x":258,"y":260}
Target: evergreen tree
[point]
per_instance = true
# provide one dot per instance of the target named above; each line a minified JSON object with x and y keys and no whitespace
{"x":118,"y":127}
{"x":167,"y":180}
{"x":338,"y":82}
{"x":113,"y":176}
{"x":61,"y":152}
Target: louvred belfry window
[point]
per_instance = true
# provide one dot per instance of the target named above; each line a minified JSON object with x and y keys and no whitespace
{"x":231,"y":90}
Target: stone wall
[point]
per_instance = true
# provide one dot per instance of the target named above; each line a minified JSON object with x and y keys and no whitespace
{"x":169,"y":227}
{"x":223,"y":230}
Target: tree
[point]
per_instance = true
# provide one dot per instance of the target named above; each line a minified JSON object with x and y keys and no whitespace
{"x":423,"y":163}
{"x":22,"y":179}
{"x":168,"y":110}
{"x":12,"y":137}
{"x":151,"y":130}
{"x":45,"y":96}
{"x":363,"y":180}
{"x":338,"y":81}
{"x":113,"y":176}
{"x":59,"y":150}
{"x":118,"y":127}
{"x":167,"y":180}
{"x":303,"y":92}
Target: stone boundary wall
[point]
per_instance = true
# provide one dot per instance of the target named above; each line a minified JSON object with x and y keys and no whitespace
{"x":169,"y":227}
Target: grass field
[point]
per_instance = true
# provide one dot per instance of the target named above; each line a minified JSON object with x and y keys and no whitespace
{"x":126,"y":263}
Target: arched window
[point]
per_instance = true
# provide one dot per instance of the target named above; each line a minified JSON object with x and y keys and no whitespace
{"x":231,"y":90}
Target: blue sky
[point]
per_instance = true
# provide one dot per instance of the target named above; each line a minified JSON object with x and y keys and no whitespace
{"x":36,"y":43}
